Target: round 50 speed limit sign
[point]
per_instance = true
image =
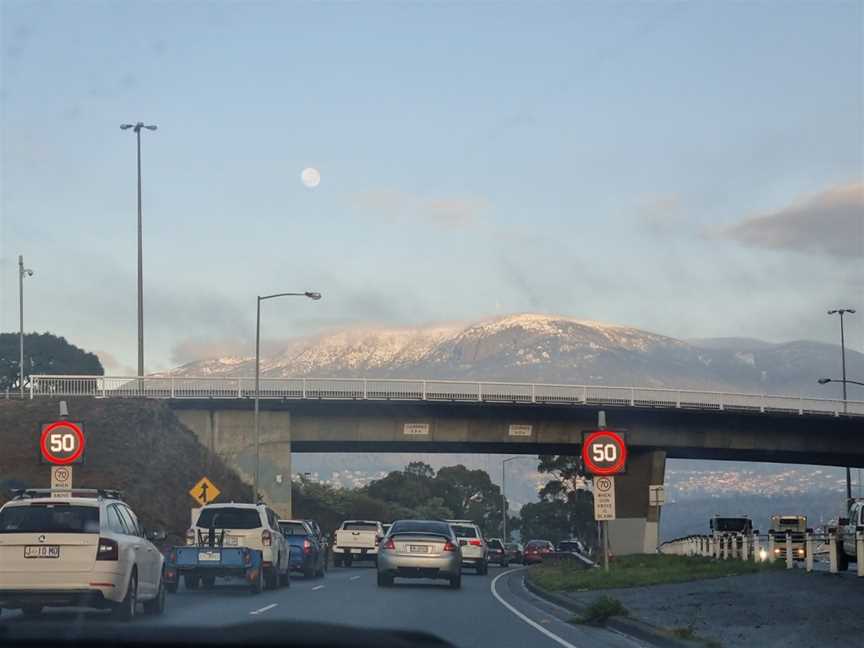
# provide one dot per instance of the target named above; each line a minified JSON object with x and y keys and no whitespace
{"x":62,"y":442}
{"x":604,"y":453}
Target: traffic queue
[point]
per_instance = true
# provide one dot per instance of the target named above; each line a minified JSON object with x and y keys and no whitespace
{"x":87,"y":548}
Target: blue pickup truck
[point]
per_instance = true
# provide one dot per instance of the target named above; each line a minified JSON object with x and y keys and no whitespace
{"x":308,"y":553}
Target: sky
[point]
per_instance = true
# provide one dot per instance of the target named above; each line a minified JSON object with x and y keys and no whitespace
{"x":693,"y":169}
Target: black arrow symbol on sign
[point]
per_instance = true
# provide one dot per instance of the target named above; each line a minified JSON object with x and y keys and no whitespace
{"x":203,"y":495}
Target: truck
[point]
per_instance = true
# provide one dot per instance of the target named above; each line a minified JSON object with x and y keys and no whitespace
{"x":357,"y":540}
{"x":796,"y":527}
{"x":847,"y":527}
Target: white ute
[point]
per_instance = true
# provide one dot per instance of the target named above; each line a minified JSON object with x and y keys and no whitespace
{"x":246,"y":525}
{"x":78,"y":548}
{"x":357,"y":540}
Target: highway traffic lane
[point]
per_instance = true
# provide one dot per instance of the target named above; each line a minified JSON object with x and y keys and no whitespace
{"x":470,"y":617}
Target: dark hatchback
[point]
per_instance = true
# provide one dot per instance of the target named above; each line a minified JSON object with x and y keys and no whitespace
{"x":308,"y":555}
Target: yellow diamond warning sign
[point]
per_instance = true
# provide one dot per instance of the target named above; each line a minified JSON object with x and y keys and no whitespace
{"x":204,"y":491}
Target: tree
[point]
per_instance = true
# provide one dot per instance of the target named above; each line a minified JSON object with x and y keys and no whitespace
{"x":470,"y":495}
{"x":44,"y":353}
{"x":568,"y":488}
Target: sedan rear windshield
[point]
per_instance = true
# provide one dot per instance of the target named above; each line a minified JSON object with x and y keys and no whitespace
{"x":464,"y":531}
{"x":229,"y":518}
{"x":539,"y":544}
{"x":360,"y":526}
{"x":495,"y":544}
{"x":412,"y":526}
{"x":49,"y":518}
{"x":293,"y":529}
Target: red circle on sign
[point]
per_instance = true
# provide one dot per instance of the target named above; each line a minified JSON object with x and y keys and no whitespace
{"x":593,"y":468}
{"x":59,"y":461}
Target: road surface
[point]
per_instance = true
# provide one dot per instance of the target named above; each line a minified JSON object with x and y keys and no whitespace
{"x":493,"y":610}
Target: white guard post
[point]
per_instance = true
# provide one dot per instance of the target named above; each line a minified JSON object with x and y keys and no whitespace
{"x":772,"y":554}
{"x":745,"y":547}
{"x":832,"y":553}
{"x":808,"y":550}
{"x":859,"y":549}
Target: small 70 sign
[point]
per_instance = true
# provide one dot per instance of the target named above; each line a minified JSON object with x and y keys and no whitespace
{"x":604,"y":453}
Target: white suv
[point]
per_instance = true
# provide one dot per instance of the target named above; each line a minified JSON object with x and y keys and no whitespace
{"x":85,"y":548}
{"x":474,"y":550}
{"x":246,"y":525}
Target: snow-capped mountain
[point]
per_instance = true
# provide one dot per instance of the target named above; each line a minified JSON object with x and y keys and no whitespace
{"x":552,"y":349}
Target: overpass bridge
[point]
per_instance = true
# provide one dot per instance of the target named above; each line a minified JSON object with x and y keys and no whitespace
{"x":383,"y":415}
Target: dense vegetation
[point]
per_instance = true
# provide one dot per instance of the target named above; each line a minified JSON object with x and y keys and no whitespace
{"x":44,"y":353}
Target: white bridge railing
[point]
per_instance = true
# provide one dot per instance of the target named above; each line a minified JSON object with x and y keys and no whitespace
{"x":429,"y":390}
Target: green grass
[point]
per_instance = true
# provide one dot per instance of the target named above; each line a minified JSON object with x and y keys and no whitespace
{"x":600,"y":610}
{"x":641,"y":569}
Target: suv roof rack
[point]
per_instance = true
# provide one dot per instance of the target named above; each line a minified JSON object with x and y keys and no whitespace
{"x":101,"y":493}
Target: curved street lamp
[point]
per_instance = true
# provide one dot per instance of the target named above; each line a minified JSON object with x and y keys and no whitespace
{"x":315,"y":296}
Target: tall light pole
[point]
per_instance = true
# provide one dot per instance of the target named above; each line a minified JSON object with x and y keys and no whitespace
{"x":841,"y":312}
{"x":311,"y":295}
{"x":504,"y":495}
{"x":22,"y":272}
{"x":137,"y":128}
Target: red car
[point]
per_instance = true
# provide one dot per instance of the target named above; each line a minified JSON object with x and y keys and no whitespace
{"x":536,"y":551}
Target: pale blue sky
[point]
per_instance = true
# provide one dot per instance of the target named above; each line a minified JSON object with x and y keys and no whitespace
{"x":586,"y":159}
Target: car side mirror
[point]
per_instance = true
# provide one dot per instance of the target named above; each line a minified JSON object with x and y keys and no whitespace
{"x":157,"y":535}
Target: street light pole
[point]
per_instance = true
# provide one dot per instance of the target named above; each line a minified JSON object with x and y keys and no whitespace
{"x":22,"y":271}
{"x":311,"y":295}
{"x":504,"y":496}
{"x":841,"y":312}
{"x":137,"y":128}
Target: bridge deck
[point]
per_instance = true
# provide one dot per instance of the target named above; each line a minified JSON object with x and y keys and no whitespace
{"x":181,"y":387}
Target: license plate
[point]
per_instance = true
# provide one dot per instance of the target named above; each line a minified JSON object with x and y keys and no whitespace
{"x":42,"y":551}
{"x":209,"y":556}
{"x":355,"y":551}
{"x":418,"y":549}
{"x":230,"y":541}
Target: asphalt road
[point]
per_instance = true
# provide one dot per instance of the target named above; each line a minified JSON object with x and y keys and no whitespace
{"x":493,"y":610}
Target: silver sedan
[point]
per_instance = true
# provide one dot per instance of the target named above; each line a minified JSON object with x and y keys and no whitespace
{"x":420,"y":549}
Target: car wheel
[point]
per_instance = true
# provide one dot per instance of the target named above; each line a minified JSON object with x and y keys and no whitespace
{"x":157,"y":605}
{"x":505,"y":564}
{"x":208,"y":582}
{"x":842,"y":558}
{"x":171,"y":588}
{"x":31,"y":610}
{"x":271,"y":578}
{"x":337,"y":561}
{"x":456,"y":581}
{"x":191,"y":581}
{"x":384,"y":580}
{"x":257,"y":585}
{"x":285,"y":579}
{"x":126,"y":609}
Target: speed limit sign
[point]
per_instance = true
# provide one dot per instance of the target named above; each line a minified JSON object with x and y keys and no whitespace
{"x":62,"y":442}
{"x":604,"y":452}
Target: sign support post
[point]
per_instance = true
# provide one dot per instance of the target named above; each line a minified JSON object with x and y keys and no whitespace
{"x":604,"y":454}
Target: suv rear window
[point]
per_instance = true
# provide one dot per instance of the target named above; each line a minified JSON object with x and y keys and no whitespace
{"x":49,"y":518}
{"x":360,"y":526}
{"x":229,"y":518}
{"x":293,"y":529}
{"x":464,"y":531}
{"x":495,"y":544}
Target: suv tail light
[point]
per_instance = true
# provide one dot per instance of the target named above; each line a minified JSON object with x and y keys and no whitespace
{"x":266,"y":538}
{"x":475,"y":543}
{"x":107,"y":550}
{"x":390,"y":544}
{"x":307,"y":546}
{"x":190,"y":537}
{"x":449,"y":546}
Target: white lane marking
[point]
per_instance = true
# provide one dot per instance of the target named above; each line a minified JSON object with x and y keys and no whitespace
{"x":317,"y":587}
{"x":264,"y":609}
{"x":354,"y":578}
{"x":533,"y":624}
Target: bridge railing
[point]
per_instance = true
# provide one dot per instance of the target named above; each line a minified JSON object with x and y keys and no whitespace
{"x":430,"y":390}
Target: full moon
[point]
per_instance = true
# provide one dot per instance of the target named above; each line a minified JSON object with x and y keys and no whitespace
{"x":310,"y":177}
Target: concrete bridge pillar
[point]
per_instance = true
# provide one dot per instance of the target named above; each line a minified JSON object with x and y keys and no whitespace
{"x":230,"y":434}
{"x":637,"y":527}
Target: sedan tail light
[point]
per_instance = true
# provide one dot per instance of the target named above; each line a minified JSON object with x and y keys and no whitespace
{"x":108,"y":550}
{"x":475,"y":543}
{"x":390,"y":544}
{"x":266,"y":538}
{"x":449,"y":546}
{"x":307,"y":547}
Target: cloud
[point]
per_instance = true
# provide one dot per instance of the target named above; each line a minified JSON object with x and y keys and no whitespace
{"x":662,"y":215}
{"x":394,"y":206}
{"x":113,"y":366}
{"x":828,"y":223}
